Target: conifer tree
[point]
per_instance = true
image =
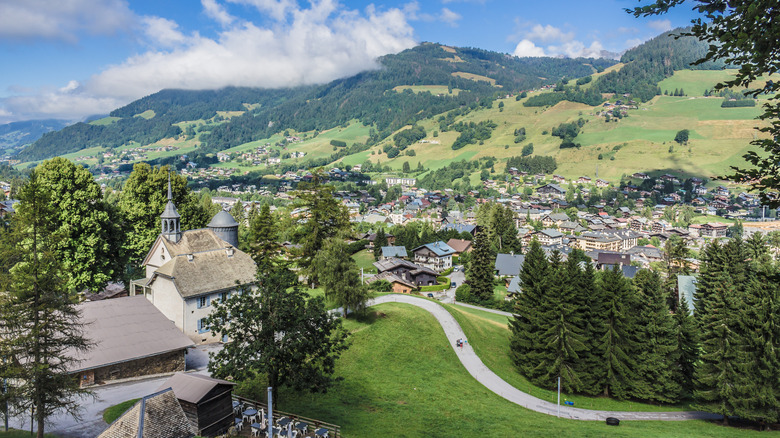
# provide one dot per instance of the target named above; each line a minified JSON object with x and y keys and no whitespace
{"x":480,"y":273}
{"x":379,"y":241}
{"x":720,"y":370}
{"x":591,"y":309}
{"x":526,"y":326}
{"x":262,"y":239}
{"x":340,"y":276}
{"x":40,"y":328}
{"x":687,"y":348}
{"x":616,"y":341}
{"x":655,"y":343}
{"x":761,"y":330}
{"x":562,"y":339}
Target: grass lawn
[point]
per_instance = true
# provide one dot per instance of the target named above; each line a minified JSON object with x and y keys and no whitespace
{"x":365,"y":260}
{"x":114,"y":412}
{"x":402,"y":379}
{"x":489,"y":334}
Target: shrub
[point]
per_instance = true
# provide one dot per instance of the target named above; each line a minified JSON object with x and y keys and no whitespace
{"x":381,"y":286}
{"x":338,"y":143}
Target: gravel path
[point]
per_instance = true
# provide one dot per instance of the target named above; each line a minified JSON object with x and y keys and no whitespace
{"x":490,"y":380}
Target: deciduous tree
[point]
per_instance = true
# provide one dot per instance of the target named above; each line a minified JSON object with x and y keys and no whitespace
{"x":339,"y":276}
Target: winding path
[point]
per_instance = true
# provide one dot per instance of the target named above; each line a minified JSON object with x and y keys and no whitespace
{"x":491,"y":381}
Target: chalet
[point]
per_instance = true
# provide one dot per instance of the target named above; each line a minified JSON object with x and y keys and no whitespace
{"x":207,"y":402}
{"x":551,"y":190}
{"x":583,"y":180}
{"x":460,"y":246}
{"x":640,"y":175}
{"x":407,"y":271}
{"x":132,"y":339}
{"x":509,"y":265}
{"x":558,"y":179}
{"x":395,"y":181}
{"x":436,"y":256}
{"x":710,"y":229}
{"x":549,"y":237}
{"x":554,"y":219}
{"x":606,"y":260}
{"x":596,"y":241}
{"x":399,"y":284}
{"x":601,"y":183}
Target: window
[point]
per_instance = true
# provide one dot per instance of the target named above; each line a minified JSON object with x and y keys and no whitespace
{"x":223,"y":297}
{"x":202,"y":327}
{"x":203,"y":302}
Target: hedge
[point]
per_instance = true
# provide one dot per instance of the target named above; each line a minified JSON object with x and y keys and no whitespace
{"x":444,"y":284}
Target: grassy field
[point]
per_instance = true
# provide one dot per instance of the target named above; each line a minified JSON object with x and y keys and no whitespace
{"x":695,"y":82}
{"x":402,"y":379}
{"x":148,"y":114}
{"x":475,"y":77}
{"x":365,"y":260}
{"x":114,"y":412}
{"x":104,"y":121}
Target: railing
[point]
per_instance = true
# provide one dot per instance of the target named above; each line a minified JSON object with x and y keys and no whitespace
{"x":334,"y":431}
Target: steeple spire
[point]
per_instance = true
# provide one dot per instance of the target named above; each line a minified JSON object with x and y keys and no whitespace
{"x":171,"y":228}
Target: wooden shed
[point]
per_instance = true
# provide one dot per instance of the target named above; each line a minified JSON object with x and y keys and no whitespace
{"x":206,"y":402}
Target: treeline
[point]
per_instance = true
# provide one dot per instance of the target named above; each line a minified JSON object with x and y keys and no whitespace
{"x":651,"y":62}
{"x":537,"y":164}
{"x":737,"y":103}
{"x":574,"y":94}
{"x":445,"y":177}
{"x":605,"y":334}
{"x":568,"y":132}
{"x":409,"y":136}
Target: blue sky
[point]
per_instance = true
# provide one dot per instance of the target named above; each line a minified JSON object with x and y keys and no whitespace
{"x":73,"y":58}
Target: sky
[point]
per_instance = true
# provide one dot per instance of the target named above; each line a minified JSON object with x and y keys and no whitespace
{"x":70,"y":59}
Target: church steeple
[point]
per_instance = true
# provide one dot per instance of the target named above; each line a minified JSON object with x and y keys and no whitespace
{"x":171,"y":228}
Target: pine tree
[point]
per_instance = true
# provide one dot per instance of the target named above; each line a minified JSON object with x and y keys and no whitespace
{"x":761,"y":330}
{"x":379,"y":241}
{"x":616,"y":341}
{"x":340,"y":276}
{"x":262,"y":239}
{"x":720,"y":370}
{"x":562,"y":339}
{"x":592,"y":311}
{"x":526,"y":326}
{"x":655,"y":343}
{"x":480,"y":273}
{"x":40,"y":329}
{"x":687,"y":348}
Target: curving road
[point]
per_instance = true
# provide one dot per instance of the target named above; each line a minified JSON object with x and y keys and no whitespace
{"x":491,"y":381}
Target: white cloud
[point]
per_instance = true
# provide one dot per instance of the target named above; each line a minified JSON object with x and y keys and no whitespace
{"x":277,"y":9}
{"x":576,"y":49}
{"x":450,"y":17}
{"x":63,"y":19}
{"x":163,"y":32}
{"x":548,"y":33}
{"x":660,"y":25}
{"x":217,"y":12}
{"x":630,"y":44}
{"x":527,"y":48}
{"x":315,"y":45}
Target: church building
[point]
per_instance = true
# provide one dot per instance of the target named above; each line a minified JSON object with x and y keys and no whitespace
{"x":188,"y":271}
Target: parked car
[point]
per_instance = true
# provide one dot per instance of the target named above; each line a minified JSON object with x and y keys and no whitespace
{"x":453,"y":285}
{"x":430,"y":295}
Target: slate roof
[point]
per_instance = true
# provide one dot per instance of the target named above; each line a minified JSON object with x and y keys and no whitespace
{"x":439,"y":248}
{"x":192,"y":388}
{"x":222,"y":219}
{"x":125,"y":329}
{"x":509,"y":264}
{"x":460,"y":228}
{"x":158,"y":415}
{"x":551,"y":233}
{"x":394,"y":251}
{"x":514,"y":286}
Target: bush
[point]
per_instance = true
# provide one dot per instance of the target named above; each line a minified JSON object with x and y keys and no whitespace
{"x":355,"y":247}
{"x":444,"y":284}
{"x":381,"y":286}
{"x":338,"y":143}
{"x":463,"y":293}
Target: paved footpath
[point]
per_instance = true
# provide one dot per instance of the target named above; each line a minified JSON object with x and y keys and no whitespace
{"x":491,"y":381}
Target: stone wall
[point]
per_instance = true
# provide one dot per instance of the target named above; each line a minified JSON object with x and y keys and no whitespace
{"x":164,"y":363}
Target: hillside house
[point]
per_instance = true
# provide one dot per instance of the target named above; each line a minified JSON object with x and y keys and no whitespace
{"x":407,"y":271}
{"x":436,"y":256}
{"x":551,"y":190}
{"x":389,"y":252}
{"x":460,"y":246}
{"x":509,"y":265}
{"x":399,"y":284}
{"x":549,"y":237}
{"x":207,"y":402}
{"x":157,"y":415}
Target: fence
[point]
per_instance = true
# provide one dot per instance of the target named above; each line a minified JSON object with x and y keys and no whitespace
{"x":334,"y":431}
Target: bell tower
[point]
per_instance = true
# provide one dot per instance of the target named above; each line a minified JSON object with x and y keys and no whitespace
{"x":170,"y":219}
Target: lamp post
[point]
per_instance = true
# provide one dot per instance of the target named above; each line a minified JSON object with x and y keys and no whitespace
{"x":559,"y":396}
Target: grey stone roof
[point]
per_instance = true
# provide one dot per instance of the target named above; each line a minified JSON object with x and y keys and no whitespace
{"x":686,"y":284}
{"x":391,"y":278}
{"x":170,"y":211}
{"x":509,"y":264}
{"x":158,"y":415}
{"x":394,"y":251}
{"x":222,"y":219}
{"x":125,"y":329}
